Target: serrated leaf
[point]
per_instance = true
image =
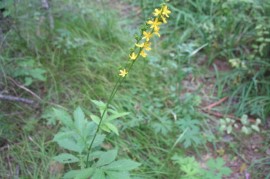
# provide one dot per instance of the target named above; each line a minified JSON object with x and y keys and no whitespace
{"x":79,"y":174}
{"x":28,"y":81}
{"x":95,"y":118}
{"x":255,"y":127}
{"x":229,"y":129}
{"x":122,"y":165}
{"x":104,"y":128}
{"x":160,"y":128}
{"x":99,"y":104}
{"x":79,"y":119}
{"x":98,"y":141}
{"x":191,"y":137}
{"x":117,"y":175}
{"x":112,"y":127}
{"x":245,"y":130}
{"x":66,"y":158}
{"x":38,"y":73}
{"x":107,"y":158}
{"x":70,"y":145}
{"x":99,"y":174}
{"x":217,"y":168}
{"x":115,"y":116}
{"x":63,"y":117}
{"x":188,"y":123}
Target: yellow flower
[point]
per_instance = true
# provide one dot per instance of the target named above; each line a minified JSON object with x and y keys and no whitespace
{"x":165,"y":11}
{"x":140,"y":45}
{"x":143,"y":54}
{"x":154,"y":24}
{"x":145,"y":45}
{"x":163,"y":19}
{"x":123,"y":72}
{"x":157,"y":12}
{"x":147,"y":35}
{"x":133,"y":56}
{"x":156,"y":31}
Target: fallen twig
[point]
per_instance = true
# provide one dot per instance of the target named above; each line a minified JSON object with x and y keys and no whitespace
{"x":17,"y":99}
{"x":216,"y":103}
{"x":24,"y":88}
{"x":220,"y":115}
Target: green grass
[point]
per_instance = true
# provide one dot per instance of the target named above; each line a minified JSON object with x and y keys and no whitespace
{"x":82,"y":56}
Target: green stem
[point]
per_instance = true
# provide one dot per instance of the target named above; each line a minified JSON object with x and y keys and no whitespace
{"x":115,"y":89}
{"x":119,"y":81}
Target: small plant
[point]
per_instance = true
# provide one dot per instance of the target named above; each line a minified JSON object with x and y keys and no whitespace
{"x":216,"y":169}
{"x":189,"y":166}
{"x":192,"y":169}
{"x":247,"y":127}
{"x":75,"y":136}
{"x":83,"y":138}
{"x":27,"y":70}
{"x":228,"y":124}
{"x":191,"y":132}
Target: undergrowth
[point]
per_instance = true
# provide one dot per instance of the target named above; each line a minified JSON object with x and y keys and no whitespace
{"x":165,"y":130}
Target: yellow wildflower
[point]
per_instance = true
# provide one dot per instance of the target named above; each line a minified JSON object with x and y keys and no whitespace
{"x":123,"y":72}
{"x":140,"y":45}
{"x":133,"y":56}
{"x":154,"y":24}
{"x":147,"y":35}
{"x":163,"y":19}
{"x":156,"y":31}
{"x":165,"y":11}
{"x":157,"y":12}
{"x":145,"y":45}
{"x":143,"y":54}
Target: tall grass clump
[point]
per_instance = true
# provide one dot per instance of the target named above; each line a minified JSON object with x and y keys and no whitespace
{"x":67,"y":64}
{"x":236,"y":33}
{"x":83,"y":138}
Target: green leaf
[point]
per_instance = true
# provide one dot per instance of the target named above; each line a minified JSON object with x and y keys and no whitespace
{"x":115,"y":116}
{"x":117,"y":175}
{"x":38,"y":73}
{"x":95,"y":118}
{"x":192,"y":137}
{"x":163,"y":126}
{"x":255,"y":127}
{"x":217,"y":169}
{"x":63,"y":117}
{"x":188,"y":123}
{"x":28,"y":81}
{"x":99,"y":104}
{"x":122,"y":165}
{"x":70,"y":145}
{"x":112,"y":128}
{"x":79,"y":119}
{"x":99,"y":174}
{"x":79,"y":174}
{"x":98,"y":141}
{"x":107,"y":158}
{"x":229,"y":129}
{"x":66,"y":158}
{"x":65,"y":140}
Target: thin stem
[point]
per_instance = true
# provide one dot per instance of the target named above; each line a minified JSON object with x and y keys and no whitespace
{"x":115,"y":89}
{"x":119,"y":81}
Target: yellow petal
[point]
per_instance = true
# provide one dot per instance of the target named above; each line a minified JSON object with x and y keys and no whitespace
{"x":132,"y":56}
{"x":143,"y":54}
{"x":123,"y":72}
{"x":140,"y":45}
